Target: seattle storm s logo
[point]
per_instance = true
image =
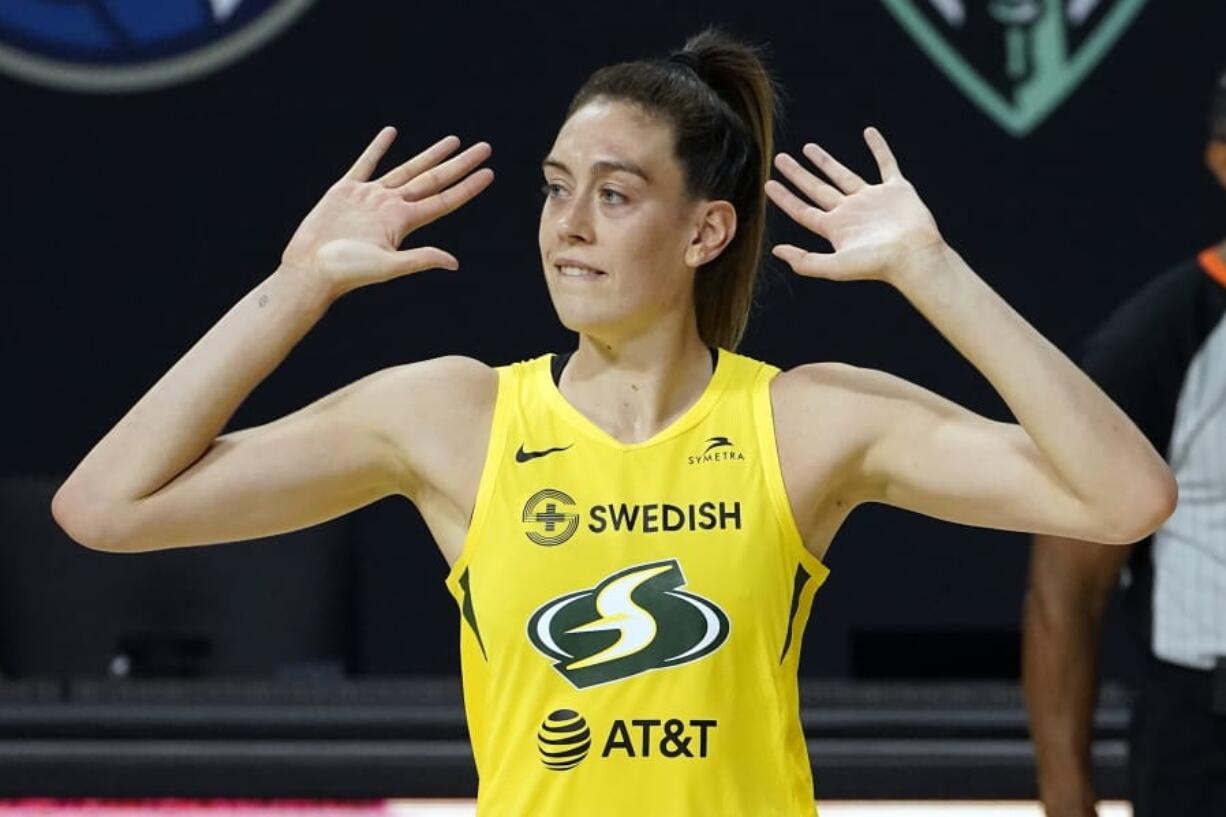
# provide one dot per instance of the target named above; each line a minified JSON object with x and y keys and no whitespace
{"x":634,"y":621}
{"x":1016,"y":59}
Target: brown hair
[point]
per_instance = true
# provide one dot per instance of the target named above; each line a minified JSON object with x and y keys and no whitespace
{"x":722,"y":103}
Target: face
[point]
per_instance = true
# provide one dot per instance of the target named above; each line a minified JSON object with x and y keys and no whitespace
{"x":615,"y":202}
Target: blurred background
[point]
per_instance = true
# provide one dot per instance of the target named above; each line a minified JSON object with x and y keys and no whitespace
{"x":156,"y":158}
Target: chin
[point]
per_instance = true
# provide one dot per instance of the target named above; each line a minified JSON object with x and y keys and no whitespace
{"x":585,"y":316}
{"x":581,"y":320}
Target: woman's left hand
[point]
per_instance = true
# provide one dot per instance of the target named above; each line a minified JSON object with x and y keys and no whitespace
{"x":873,"y":228}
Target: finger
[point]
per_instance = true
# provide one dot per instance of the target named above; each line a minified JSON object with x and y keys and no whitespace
{"x":421,"y":213}
{"x":846,"y":181}
{"x":816,"y":189}
{"x":420,"y":258}
{"x":437,"y":178}
{"x":428,"y":158}
{"x":803,"y":262}
{"x":804,"y":214}
{"x":369,"y":160}
{"x":886,"y":162}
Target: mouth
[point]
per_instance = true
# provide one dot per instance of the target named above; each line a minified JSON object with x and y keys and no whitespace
{"x":578,"y":273}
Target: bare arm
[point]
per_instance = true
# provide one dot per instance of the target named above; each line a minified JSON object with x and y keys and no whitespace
{"x":1070,"y":582}
{"x":1073,"y":465}
{"x":905,"y":446}
{"x":162,"y":478}
{"x":402,"y":430}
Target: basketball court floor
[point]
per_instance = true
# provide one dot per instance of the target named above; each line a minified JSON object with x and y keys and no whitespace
{"x":466,"y":808}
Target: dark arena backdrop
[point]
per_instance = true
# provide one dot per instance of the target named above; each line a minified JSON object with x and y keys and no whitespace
{"x":154,"y":160}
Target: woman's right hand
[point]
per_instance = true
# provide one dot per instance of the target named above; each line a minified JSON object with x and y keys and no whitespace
{"x":351,"y":237}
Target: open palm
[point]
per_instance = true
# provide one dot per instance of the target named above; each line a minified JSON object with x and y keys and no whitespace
{"x":351,"y":237}
{"x":872,"y":227}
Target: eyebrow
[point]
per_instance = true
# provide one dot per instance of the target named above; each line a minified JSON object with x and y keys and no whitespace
{"x":602,"y":166}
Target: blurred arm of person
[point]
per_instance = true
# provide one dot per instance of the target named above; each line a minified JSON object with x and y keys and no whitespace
{"x":1069,"y":584}
{"x":1138,"y":357}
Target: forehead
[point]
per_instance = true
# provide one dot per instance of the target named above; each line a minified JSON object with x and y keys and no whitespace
{"x":604,"y":130}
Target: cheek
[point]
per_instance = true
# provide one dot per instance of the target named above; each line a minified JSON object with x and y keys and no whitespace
{"x":651,"y":237}
{"x":662,"y":248}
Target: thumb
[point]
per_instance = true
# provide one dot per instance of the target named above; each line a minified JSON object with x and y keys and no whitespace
{"x":812,"y":264}
{"x":421,"y":258}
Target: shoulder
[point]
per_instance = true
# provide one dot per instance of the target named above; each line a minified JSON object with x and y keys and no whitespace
{"x":852,"y":426}
{"x":452,"y":377}
{"x":436,"y":413}
{"x":831,"y":386}
{"x":827,"y":414}
{"x":849,"y":408}
{"x":457,"y":382}
{"x":1140,"y":355}
{"x":1168,"y":310}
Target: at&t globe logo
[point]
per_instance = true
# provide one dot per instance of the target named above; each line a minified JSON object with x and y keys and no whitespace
{"x":563,"y":740}
{"x":108,"y":46}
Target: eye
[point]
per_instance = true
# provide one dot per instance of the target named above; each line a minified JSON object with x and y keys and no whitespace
{"x":614,"y":193}
{"x":548,"y":188}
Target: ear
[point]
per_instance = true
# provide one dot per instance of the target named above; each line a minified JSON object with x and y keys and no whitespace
{"x":715,"y":231}
{"x":1215,"y":160}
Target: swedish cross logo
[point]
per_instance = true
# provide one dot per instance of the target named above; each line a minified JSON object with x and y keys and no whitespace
{"x":550,"y":517}
{"x":1018,"y":60}
{"x":634,"y":621}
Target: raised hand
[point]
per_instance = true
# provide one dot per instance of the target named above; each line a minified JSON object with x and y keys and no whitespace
{"x":873,"y":228}
{"x":351,"y":237}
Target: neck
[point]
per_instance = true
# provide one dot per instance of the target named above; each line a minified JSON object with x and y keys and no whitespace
{"x":634,"y":387}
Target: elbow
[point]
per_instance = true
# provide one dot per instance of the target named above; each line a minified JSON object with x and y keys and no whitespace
{"x":1146,"y":510}
{"x":1167,"y":497}
{"x":67,"y":515}
{"x":1156,"y":504}
{"x":83,"y":521}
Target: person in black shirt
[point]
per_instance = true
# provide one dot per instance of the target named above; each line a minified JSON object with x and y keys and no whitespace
{"x":1161,"y":357}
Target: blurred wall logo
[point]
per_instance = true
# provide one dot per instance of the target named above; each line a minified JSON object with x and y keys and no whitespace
{"x":1018,"y":60}
{"x":563,"y":740}
{"x":114,"y":46}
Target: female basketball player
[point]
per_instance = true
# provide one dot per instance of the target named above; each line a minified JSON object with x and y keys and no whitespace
{"x":635,"y":531}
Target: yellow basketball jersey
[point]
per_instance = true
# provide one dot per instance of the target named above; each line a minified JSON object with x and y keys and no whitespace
{"x":631,"y":615}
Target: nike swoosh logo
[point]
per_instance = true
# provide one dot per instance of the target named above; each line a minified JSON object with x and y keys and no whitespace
{"x":523,"y":456}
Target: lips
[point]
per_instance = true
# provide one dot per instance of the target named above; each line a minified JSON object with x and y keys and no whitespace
{"x":572,"y":268}
{"x":567,"y":271}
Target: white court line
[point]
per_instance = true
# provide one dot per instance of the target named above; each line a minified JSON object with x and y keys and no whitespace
{"x":829,"y":808}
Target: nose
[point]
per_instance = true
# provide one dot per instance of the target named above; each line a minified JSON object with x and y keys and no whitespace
{"x":574,"y":219}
